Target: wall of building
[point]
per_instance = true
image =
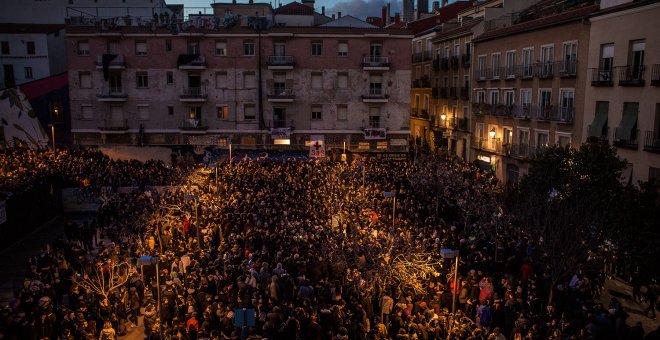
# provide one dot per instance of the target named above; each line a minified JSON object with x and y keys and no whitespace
{"x":18,"y":57}
{"x":633,"y":24}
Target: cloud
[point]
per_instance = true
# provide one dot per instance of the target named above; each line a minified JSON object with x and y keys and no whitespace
{"x":363,"y":8}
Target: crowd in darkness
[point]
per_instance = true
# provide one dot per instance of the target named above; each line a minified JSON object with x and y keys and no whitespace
{"x":303,"y":243}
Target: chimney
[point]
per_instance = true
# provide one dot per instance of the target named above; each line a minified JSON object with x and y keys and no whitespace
{"x":338,"y":15}
{"x":436,"y":6}
{"x":388,"y":18}
{"x":323,"y":10}
{"x":445,"y":3}
{"x":383,"y":15}
{"x":397,"y":18}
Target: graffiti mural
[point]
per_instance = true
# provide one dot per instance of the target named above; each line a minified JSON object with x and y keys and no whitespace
{"x":19,"y":121}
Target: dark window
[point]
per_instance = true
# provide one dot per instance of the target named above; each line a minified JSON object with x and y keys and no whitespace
{"x":168,"y":45}
{"x":248,"y":48}
{"x":170,"y":110}
{"x":317,"y":48}
{"x":170,"y":78}
{"x":5,"y":47}
{"x":10,"y":79}
{"x":30,"y":47}
{"x":142,"y":80}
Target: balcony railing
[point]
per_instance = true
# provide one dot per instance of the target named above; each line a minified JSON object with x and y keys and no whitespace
{"x":193,"y":93}
{"x":567,"y":68}
{"x":629,"y":143}
{"x":603,"y":137}
{"x":461,"y":124}
{"x":483,"y":74}
{"x":117,"y":61}
{"x":281,"y":123}
{"x":631,"y":75}
{"x":423,"y":82}
{"x":114,"y":125}
{"x":602,"y":77}
{"x":520,"y":151}
{"x":655,"y":75}
{"x":280,"y":60}
{"x":502,"y":110}
{"x":524,"y":112}
{"x":376,"y":61}
{"x":421,"y":56}
{"x":563,"y":115}
{"x":280,"y":92}
{"x":465,"y":60}
{"x":419,"y":113}
{"x":545,"y":113}
{"x":527,"y":71}
{"x":112,"y":92}
{"x":652,"y":141}
{"x":375,"y":93}
{"x":496,"y":73}
{"x":454,"y":62}
{"x":488,"y":144}
{"x":194,"y":124}
{"x":546,"y":69}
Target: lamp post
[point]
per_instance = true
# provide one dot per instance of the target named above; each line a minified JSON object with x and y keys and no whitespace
{"x":52,"y":133}
{"x":151,"y":260}
{"x":449,"y":254}
{"x":194,"y":198}
{"x":393,"y":195}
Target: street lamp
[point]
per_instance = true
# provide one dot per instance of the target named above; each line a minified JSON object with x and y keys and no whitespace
{"x":491,"y":133}
{"x":52,"y":133}
{"x":450,"y":254}
{"x":146,"y":261}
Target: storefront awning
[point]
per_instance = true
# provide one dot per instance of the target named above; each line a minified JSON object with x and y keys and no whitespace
{"x":600,"y":120}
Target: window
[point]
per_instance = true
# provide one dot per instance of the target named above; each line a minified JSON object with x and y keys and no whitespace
{"x":528,"y":62}
{"x":495,"y":58}
{"x":376,"y":84}
{"x":83,"y":47}
{"x":28,"y":72}
{"x":342,"y":80}
{"x":374,"y":117}
{"x":85,"y":79}
{"x":317,"y":47}
{"x":317,"y":112}
{"x":250,"y":80}
{"x":248,"y":48}
{"x":86,"y":112}
{"x":221,"y":48}
{"x":193,"y":47}
{"x":342,"y":112}
{"x":170,"y":110}
{"x":5,"y":47}
{"x":376,"y":49}
{"x":606,"y":60}
{"x":545,"y":102}
{"x":142,"y":80}
{"x":342,"y":49}
{"x":481,"y":97}
{"x":10,"y":78}
{"x":143,"y":112}
{"x":523,"y":138}
{"x":170,"y":77}
{"x":511,"y":64}
{"x":542,"y":139}
{"x":279,"y":82}
{"x":168,"y":45}
{"x":220,"y":80}
{"x":223,"y":112}
{"x":249,"y":112}
{"x":509,"y":98}
{"x":636,"y":61}
{"x":140,"y":48}
{"x":279,"y":49}
{"x":494,"y":97}
{"x":481,"y":130}
{"x":569,"y":55}
{"x":317,"y":80}
{"x":547,"y":60}
{"x":626,"y":132}
{"x":566,"y":104}
{"x":29,"y":46}
{"x":563,"y":139}
{"x":195,"y":113}
{"x":526,"y":102}
{"x":482,"y":67}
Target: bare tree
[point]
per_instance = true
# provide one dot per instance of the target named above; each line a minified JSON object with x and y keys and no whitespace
{"x":105,"y":277}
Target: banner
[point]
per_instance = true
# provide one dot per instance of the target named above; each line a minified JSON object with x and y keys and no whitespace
{"x":375,"y":133}
{"x":317,"y":146}
{"x":280,"y":133}
{"x":3,"y":212}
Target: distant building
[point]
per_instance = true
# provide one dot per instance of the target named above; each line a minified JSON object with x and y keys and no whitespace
{"x":205,"y":83}
{"x":408,"y":10}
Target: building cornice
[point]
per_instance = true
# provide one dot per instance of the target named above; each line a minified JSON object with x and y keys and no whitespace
{"x":596,"y":17}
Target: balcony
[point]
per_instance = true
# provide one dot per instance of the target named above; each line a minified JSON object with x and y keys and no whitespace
{"x":600,"y":136}
{"x":546,"y":70}
{"x":113,"y":61}
{"x":483,"y":74}
{"x":454,"y":62}
{"x":493,"y":145}
{"x":626,"y":142}
{"x":376,"y":63}
{"x":496,"y":73}
{"x":423,"y":82}
{"x":112,"y":94}
{"x":465,"y":60}
{"x":421,"y":56}
{"x":375,"y":95}
{"x":511,"y":72}
{"x":453,"y":92}
{"x":524,"y":112}
{"x":655,"y":75}
{"x":419,"y":113}
{"x":191,"y":62}
{"x":652,"y":141}
{"x":502,"y":110}
{"x":528,"y":71}
{"x":117,"y":125}
{"x":281,"y":124}
{"x":194,"y":125}
{"x":465,"y":93}
{"x":461,"y":124}
{"x":522,"y":151}
{"x":563,"y":115}
{"x":545,"y":113}
{"x":567,"y":68}
{"x":280,"y":95}
{"x":602,"y":77}
{"x":631,"y":75}
{"x":280,"y":62}
{"x":193,"y":94}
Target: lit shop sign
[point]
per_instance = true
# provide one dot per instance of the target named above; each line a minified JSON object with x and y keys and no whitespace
{"x":483,"y":158}
{"x":375,"y":133}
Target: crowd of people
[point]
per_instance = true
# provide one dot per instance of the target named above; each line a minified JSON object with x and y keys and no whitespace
{"x":300,"y":249}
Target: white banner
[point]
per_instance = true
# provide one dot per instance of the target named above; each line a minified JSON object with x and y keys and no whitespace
{"x":3,"y":212}
{"x":317,"y":146}
{"x":280,"y":133}
{"x":375,"y":133}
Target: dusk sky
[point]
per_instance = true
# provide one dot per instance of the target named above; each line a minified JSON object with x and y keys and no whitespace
{"x":357,"y":8}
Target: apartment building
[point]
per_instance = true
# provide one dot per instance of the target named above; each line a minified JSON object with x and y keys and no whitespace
{"x":207,"y":84}
{"x":528,"y":85}
{"x":622,"y":105}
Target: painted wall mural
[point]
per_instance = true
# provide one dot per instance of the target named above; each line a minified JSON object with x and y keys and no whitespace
{"x":18,"y":120}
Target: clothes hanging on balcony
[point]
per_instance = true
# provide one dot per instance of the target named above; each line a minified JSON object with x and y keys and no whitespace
{"x":105,"y":61}
{"x":185,"y":59}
